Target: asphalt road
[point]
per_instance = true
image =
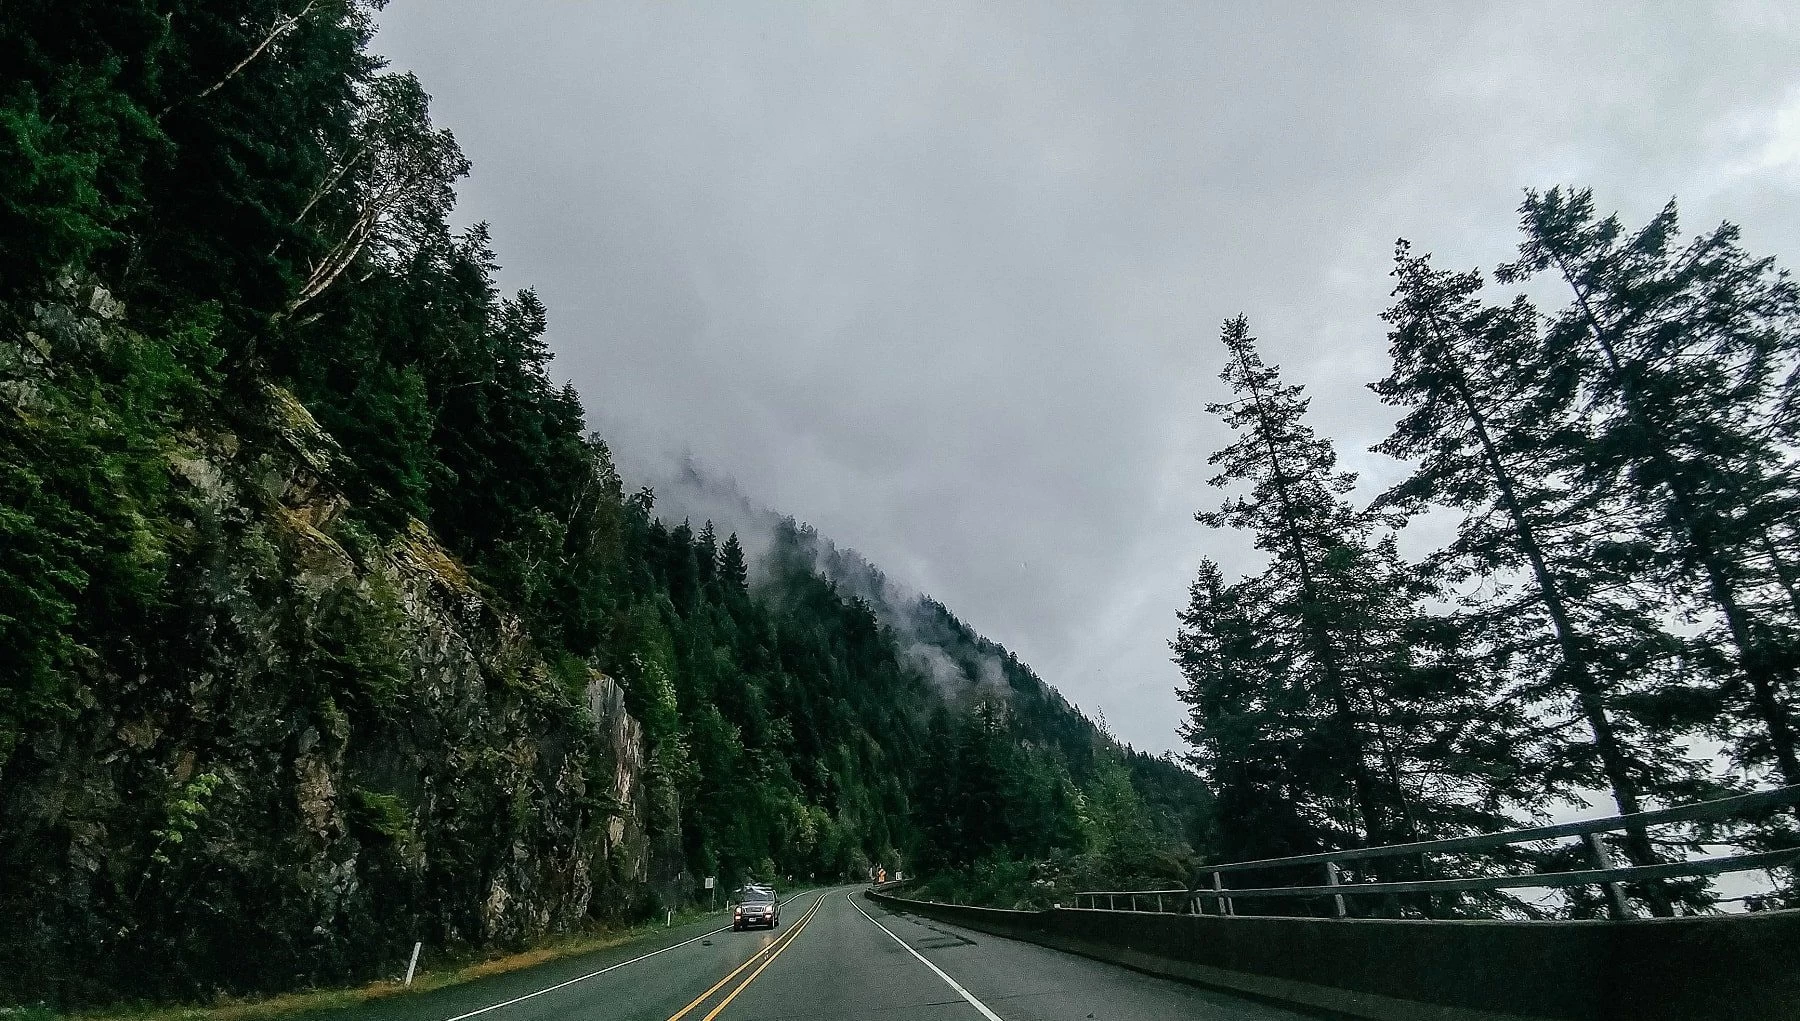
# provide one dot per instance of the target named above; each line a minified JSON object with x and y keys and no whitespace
{"x":836,"y":956}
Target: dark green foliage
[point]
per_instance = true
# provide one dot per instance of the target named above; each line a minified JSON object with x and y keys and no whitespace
{"x":1620,"y":586}
{"x":1326,"y":708}
{"x":74,"y":133}
{"x":313,"y":585}
{"x":85,"y":528}
{"x":1006,"y":824}
{"x":1240,"y":729}
{"x":1680,"y":355}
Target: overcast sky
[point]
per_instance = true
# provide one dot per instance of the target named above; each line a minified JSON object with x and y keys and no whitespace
{"x":946,"y":281}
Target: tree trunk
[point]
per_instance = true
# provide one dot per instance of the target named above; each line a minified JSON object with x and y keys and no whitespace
{"x":1763,"y":671}
{"x":1373,"y":823}
{"x":283,"y":26}
{"x":1784,"y":573}
{"x":1589,"y":693}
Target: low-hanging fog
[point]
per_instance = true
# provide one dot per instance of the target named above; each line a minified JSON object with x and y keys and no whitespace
{"x":946,"y":281}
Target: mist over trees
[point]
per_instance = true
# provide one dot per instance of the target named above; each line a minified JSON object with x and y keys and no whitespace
{"x":1619,"y":594}
{"x":248,"y":368}
{"x":247,"y":365}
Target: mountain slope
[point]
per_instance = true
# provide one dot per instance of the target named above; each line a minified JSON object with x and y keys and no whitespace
{"x":296,"y":747}
{"x":328,"y":627}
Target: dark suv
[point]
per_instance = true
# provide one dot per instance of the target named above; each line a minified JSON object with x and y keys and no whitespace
{"x":756,"y":905}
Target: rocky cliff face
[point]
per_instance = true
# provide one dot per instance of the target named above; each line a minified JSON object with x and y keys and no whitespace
{"x":320,"y":746}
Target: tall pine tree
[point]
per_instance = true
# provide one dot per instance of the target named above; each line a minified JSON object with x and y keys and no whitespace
{"x":1559,"y":608}
{"x":1323,"y":607}
{"x":1681,"y":353}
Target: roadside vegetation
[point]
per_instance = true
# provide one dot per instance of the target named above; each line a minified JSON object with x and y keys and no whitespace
{"x":429,"y":976}
{"x":314,"y":585}
{"x":1618,"y":596}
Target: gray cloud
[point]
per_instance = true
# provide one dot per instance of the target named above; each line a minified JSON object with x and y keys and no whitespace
{"x":945,"y":281}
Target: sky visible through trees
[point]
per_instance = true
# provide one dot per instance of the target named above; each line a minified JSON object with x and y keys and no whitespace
{"x":315,"y":583}
{"x":1618,"y":596}
{"x":886,"y":247}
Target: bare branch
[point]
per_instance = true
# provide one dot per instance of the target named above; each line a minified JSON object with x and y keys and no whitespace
{"x":283,"y":26}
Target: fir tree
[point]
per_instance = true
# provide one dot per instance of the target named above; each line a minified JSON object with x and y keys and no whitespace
{"x":1490,"y":429}
{"x":732,"y":572}
{"x":1239,"y":724}
{"x":1320,"y":596}
{"x":1680,"y":352}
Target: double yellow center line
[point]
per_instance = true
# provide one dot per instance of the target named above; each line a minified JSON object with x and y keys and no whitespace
{"x":778,"y":946}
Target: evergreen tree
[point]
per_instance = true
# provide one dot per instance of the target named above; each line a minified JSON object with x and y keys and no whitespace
{"x":1492,"y":430}
{"x":1679,"y":352}
{"x":706,"y":555}
{"x":1240,"y":724}
{"x":1320,"y":601}
{"x":732,"y":572}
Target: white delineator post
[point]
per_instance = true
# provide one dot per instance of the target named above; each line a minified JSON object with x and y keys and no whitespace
{"x":414,"y":963}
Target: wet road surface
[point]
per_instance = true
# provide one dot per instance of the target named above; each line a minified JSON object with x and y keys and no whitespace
{"x":837,"y":955}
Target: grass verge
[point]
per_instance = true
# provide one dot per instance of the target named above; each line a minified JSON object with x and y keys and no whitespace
{"x":308,"y":1001}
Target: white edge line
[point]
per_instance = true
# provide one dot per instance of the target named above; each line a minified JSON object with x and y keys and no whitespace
{"x":583,"y":978}
{"x":960,"y":991}
{"x":602,"y":971}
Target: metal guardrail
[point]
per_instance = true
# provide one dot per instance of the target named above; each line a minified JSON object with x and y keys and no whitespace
{"x":1605,"y":875}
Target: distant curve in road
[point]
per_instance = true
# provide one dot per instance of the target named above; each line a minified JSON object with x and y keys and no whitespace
{"x":835,"y":956}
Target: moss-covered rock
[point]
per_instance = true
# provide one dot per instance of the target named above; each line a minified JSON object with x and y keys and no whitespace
{"x":306,"y":754}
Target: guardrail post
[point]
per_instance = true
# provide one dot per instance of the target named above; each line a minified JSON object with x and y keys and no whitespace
{"x":1621,"y":908}
{"x":1617,"y":882}
{"x":1425,"y":901}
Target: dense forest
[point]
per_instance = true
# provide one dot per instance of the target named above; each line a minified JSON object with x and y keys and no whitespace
{"x":328,"y":627}
{"x":1617,"y":615}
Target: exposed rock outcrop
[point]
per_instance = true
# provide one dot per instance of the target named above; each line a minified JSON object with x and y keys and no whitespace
{"x":324,"y":746}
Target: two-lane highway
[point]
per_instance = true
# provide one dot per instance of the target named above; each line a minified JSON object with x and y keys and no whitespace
{"x":835,"y":956}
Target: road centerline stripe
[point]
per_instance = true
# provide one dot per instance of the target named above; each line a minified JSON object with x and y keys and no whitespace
{"x":726,"y":1002}
{"x":584,"y":978}
{"x":955,"y":985}
{"x":780,"y":941}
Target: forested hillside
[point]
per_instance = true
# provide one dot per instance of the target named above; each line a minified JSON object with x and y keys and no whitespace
{"x":1616,"y":617}
{"x":1023,"y":796}
{"x":328,"y":627}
